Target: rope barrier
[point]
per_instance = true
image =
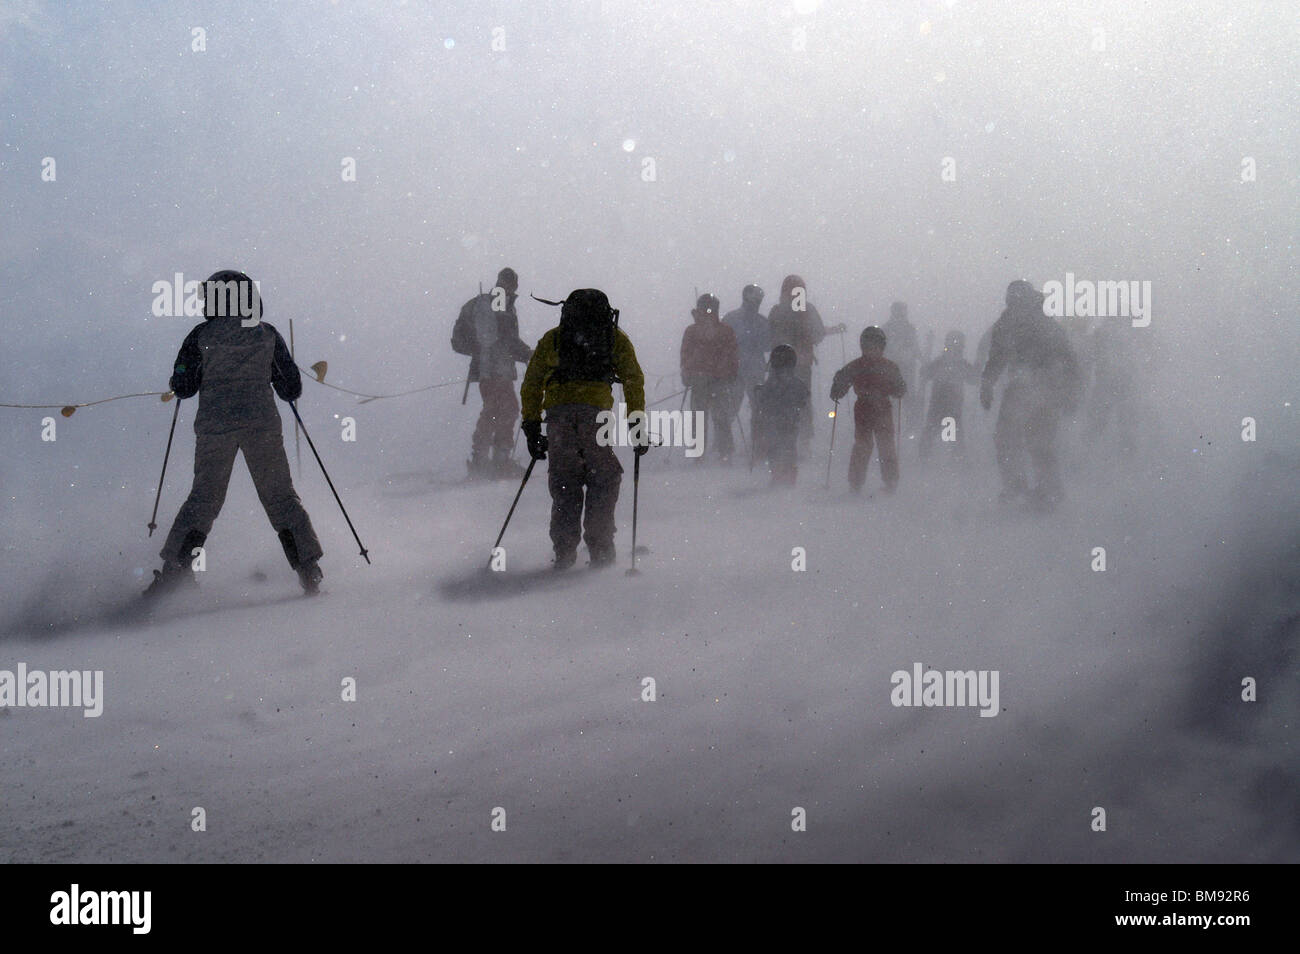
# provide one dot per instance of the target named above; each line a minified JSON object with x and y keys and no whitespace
{"x":67,"y":410}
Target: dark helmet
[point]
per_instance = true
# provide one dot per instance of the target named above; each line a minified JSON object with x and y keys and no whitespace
{"x":789,"y":285}
{"x":870,"y":337}
{"x":955,"y":341}
{"x":507,"y":279}
{"x":586,"y":304}
{"x":707,"y":304}
{"x":1021,"y":293}
{"x":783,"y":358}
{"x":752,"y":295}
{"x":898,"y":309}
{"x":231,"y":293}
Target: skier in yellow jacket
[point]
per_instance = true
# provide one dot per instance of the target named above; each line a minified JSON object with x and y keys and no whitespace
{"x":570,"y":377}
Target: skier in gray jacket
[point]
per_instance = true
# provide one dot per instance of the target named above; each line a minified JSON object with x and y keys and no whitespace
{"x":232,"y":361}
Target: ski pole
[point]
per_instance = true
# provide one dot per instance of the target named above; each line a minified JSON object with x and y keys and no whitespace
{"x":835,"y":417}
{"x":305,"y":433}
{"x":166,"y":454}
{"x":636,"y":485}
{"x":297,"y":444}
{"x":532,"y":462}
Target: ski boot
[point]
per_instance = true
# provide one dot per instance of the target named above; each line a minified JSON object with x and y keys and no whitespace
{"x":564,"y":559}
{"x":171,"y":578}
{"x":310,"y":575}
{"x":601,"y":556}
{"x":506,"y":468}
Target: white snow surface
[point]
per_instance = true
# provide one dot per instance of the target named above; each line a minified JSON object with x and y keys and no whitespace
{"x":523,"y":690}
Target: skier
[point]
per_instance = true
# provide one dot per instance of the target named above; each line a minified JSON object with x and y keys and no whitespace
{"x":1043,"y":381}
{"x":570,"y":377}
{"x":794,"y":321}
{"x":753,"y":340}
{"x":232,"y":361}
{"x":874,"y":379}
{"x":487,"y":329}
{"x":1116,"y":366}
{"x":950,"y":372}
{"x":778,"y":406}
{"x":907,"y":355}
{"x":710,"y":363}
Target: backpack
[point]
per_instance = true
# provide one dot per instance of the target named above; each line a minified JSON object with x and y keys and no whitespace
{"x":475,"y":332}
{"x":586,"y":339}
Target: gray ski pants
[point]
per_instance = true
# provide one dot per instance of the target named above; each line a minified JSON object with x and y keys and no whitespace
{"x":214,"y":460}
{"x":582,"y":474}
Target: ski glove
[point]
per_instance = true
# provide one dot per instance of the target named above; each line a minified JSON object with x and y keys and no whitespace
{"x":537,"y":442}
{"x":640,"y":449}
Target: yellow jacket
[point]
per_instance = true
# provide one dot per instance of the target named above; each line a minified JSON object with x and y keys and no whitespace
{"x":539,"y":391}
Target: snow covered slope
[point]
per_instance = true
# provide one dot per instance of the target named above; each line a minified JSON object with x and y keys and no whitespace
{"x":523,"y":690}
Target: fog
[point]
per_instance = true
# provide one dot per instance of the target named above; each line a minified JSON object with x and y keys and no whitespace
{"x":923,"y":152}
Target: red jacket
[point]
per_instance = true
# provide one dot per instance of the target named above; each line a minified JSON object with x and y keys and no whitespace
{"x":874,"y":379}
{"x":709,"y":350}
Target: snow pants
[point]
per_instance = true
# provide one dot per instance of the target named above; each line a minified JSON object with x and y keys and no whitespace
{"x":214,"y":460}
{"x":943,"y":404}
{"x":1027,"y":422}
{"x":496,"y":422}
{"x":717,"y":400}
{"x":583,"y":477}
{"x":872,"y":423}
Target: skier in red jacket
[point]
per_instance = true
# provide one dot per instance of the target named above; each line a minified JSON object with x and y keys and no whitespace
{"x":710,"y":367}
{"x":875,"y":379}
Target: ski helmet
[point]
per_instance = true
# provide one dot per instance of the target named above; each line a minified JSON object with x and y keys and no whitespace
{"x":508,"y":279}
{"x":872,"y":336}
{"x":752,"y":295}
{"x":898,"y":310}
{"x":783,"y":358}
{"x":707,"y":304}
{"x":1020,"y":292}
{"x":228,"y":293}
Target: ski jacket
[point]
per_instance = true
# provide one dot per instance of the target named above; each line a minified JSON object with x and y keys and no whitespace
{"x":753,"y":342}
{"x":874,"y":379}
{"x":491,"y":338}
{"x":903,"y":342}
{"x":1026,"y":342}
{"x":801,"y":330}
{"x":949,"y":372}
{"x":779,"y":404}
{"x":233,"y":369}
{"x":709,"y":352}
{"x":541,"y":391}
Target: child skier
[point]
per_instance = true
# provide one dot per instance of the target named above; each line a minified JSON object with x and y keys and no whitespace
{"x":950,"y":372}
{"x":710,"y":365}
{"x":779,"y":405}
{"x":875,"y":379}
{"x":232,"y":361}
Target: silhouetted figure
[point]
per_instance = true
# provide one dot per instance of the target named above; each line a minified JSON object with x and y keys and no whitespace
{"x":234,"y":361}
{"x":570,"y":378}
{"x":1042,"y":383}
{"x":487,"y":329}
{"x":874,"y":379}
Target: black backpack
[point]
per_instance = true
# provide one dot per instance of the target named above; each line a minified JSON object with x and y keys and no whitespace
{"x":586,"y":339}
